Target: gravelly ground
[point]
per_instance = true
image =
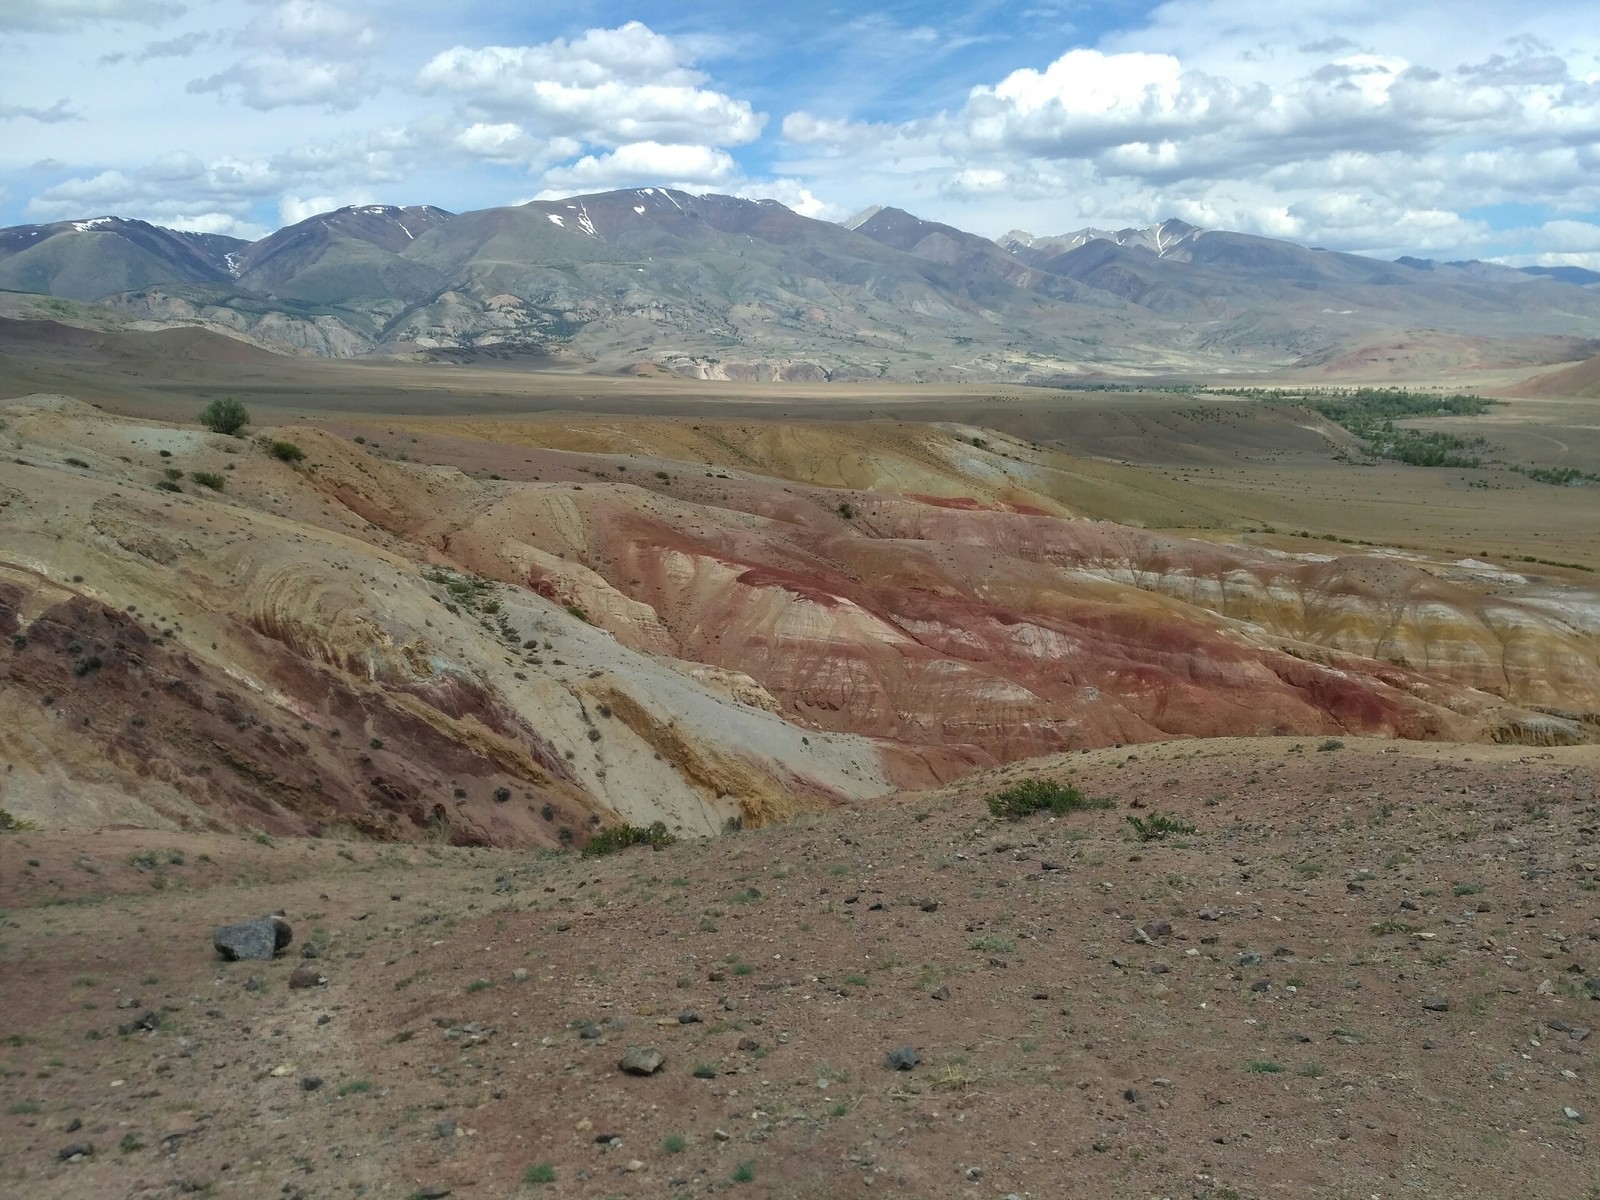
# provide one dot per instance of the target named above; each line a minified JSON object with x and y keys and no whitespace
{"x":1074,"y":1055}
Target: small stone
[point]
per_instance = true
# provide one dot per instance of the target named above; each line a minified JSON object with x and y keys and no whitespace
{"x":1209,"y":914}
{"x":74,"y":1125}
{"x":641,"y":1060}
{"x":309,"y":950}
{"x":974,"y":1174}
{"x":1249,"y":959}
{"x":940,"y":993}
{"x":1261,"y":985}
{"x":635,"y":1166}
{"x":930,"y":906}
{"x":520,"y":975}
{"x":253,"y":984}
{"x":689,"y":1017}
{"x":310,"y":1083}
{"x":75,"y":1150}
{"x":1410,"y":905}
{"x":306,"y":977}
{"x":1436,"y":1004}
{"x":902,"y":1059}
{"x":1571,"y":1113}
{"x":1131,"y":1096}
{"x":445,"y":1129}
{"x":148,"y":1020}
{"x":749,"y":1045}
{"x":590,"y":1033}
{"x":431,"y":1192}
{"x":261,"y":938}
{"x":1157,"y":928}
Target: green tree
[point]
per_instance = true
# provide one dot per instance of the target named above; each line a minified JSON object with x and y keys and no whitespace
{"x":224,"y":416}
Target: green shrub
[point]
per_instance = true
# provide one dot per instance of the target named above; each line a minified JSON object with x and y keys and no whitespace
{"x":847,"y":510}
{"x":167,"y":485}
{"x":286,"y":452}
{"x":539,"y":1173}
{"x":1039,"y":795}
{"x":208,"y":479}
{"x":172,"y":473}
{"x":620,"y":837}
{"x":1157,"y":826}
{"x":224,"y":416}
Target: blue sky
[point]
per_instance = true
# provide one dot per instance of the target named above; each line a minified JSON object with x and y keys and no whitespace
{"x":1444,"y":128}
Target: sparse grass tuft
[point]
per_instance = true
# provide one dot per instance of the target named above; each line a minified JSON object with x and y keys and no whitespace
{"x":1158,"y":826}
{"x":1042,"y":795}
{"x":539,"y":1173}
{"x":620,"y":837}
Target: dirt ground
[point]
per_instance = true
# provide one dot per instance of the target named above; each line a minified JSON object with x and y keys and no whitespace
{"x":1379,"y":979}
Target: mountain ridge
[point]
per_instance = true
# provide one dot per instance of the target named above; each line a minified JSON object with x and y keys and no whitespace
{"x":718,"y":286}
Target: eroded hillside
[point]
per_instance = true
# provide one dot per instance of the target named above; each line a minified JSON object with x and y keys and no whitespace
{"x":687,"y":622}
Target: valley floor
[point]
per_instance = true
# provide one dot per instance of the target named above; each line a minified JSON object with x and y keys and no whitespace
{"x":1381,"y":971}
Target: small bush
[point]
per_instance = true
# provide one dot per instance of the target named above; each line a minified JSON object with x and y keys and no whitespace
{"x":847,"y":510}
{"x":76,"y":462}
{"x":172,"y":472}
{"x":167,"y":485}
{"x":1040,"y":795}
{"x":539,"y":1173}
{"x":208,"y":479}
{"x":224,"y":416}
{"x":620,"y":837}
{"x":10,"y":824}
{"x":1327,"y":744}
{"x":674,"y":1144}
{"x":744,"y":1172}
{"x":502,"y":794}
{"x":1264,"y":1067}
{"x":1157,"y":826}
{"x":356,"y":1087}
{"x":286,"y":452}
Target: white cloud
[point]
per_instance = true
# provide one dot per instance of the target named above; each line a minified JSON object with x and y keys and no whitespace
{"x":610,"y":87}
{"x":645,"y":163}
{"x":271,"y":82}
{"x":792,"y":194}
{"x":53,"y":115}
{"x":59,"y":16}
{"x":294,"y":209}
{"x":310,"y":27}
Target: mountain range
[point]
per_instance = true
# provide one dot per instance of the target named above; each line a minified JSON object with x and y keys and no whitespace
{"x":712,"y":286}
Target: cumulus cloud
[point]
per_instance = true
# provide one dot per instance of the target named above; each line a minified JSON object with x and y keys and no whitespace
{"x":310,"y":27}
{"x":610,"y":87}
{"x":645,"y":163}
{"x":294,"y":209}
{"x":267,"y":83}
{"x":792,"y":194}
{"x":62,"y":16}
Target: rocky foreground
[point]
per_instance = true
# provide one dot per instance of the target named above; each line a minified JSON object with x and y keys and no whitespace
{"x":1371,"y":969}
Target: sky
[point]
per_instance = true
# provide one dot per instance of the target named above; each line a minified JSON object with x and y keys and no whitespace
{"x":1441,"y":128}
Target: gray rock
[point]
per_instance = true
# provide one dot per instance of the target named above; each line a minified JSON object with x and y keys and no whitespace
{"x":445,"y":1129}
{"x":940,"y":993}
{"x":260,"y":938}
{"x":75,"y":1150}
{"x":310,"y":1083}
{"x":1249,"y":959}
{"x":1157,"y":927}
{"x":150,"y":1019}
{"x":902,"y":1059}
{"x":1436,"y":1004}
{"x":1571,"y":1114}
{"x":641,"y":1060}
{"x":306,"y":977}
{"x":433,"y":1192}
{"x":688,"y":1017}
